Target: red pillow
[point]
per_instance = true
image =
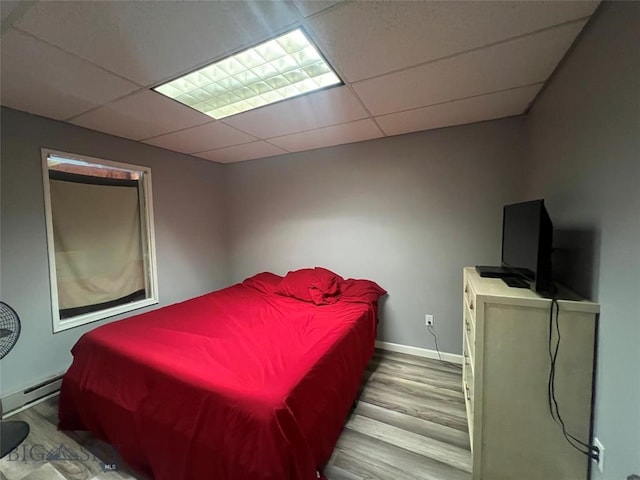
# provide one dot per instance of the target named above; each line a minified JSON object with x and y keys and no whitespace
{"x":265,"y":282}
{"x":357,"y":291}
{"x":326,"y":291}
{"x":317,"y":285}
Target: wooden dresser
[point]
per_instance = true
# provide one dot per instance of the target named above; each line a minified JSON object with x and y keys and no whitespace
{"x":505,"y":378}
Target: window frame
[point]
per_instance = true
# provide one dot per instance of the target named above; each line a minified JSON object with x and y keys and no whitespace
{"x":147,"y":235}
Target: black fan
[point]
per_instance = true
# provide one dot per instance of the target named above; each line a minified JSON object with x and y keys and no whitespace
{"x":12,"y":434}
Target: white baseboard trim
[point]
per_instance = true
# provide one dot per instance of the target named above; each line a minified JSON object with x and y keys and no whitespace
{"x":29,"y":405}
{"x":12,"y":404}
{"x":419,"y":352}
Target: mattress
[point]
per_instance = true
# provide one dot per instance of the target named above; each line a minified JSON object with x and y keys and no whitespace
{"x":237,"y":384}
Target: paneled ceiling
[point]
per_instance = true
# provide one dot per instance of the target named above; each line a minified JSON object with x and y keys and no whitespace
{"x":407,"y":66}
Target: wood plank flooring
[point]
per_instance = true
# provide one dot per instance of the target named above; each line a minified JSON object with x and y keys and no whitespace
{"x":409,"y":424}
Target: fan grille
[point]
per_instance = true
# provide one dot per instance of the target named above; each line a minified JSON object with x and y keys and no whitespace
{"x":9,"y":328}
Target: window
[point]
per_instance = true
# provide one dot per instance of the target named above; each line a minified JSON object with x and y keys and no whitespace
{"x":100,"y":238}
{"x":275,"y":70}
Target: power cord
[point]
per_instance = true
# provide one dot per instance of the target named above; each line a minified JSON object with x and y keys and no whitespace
{"x":435,"y":340}
{"x":589,"y":450}
{"x":431,"y":330}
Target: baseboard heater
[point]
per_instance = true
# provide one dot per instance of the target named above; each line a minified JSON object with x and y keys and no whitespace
{"x":30,"y":395}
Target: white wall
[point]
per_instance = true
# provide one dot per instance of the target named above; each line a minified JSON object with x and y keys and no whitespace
{"x":187,"y":198}
{"x":408,"y":212}
{"x":585,"y":145}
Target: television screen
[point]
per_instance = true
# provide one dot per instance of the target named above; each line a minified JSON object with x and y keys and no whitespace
{"x":526,"y":242}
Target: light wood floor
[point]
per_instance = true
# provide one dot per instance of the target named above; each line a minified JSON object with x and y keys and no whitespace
{"x":409,"y":424}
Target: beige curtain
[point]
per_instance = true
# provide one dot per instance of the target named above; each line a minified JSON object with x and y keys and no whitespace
{"x":98,"y":244}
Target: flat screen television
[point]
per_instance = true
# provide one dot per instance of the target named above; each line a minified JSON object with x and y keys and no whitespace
{"x":527,"y":239}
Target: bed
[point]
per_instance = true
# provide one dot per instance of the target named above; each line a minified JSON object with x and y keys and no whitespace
{"x":250,"y":382}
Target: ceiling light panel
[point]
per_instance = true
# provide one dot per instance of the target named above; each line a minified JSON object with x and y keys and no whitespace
{"x":278,"y":69}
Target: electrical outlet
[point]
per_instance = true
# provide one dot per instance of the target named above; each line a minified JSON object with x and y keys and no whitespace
{"x":428,"y":320}
{"x":600,"y":460}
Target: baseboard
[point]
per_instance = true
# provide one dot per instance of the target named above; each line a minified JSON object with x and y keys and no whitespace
{"x":12,"y":404}
{"x":30,"y":404}
{"x":419,"y":352}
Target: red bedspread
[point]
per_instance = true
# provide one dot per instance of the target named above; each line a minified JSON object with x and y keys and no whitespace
{"x":235,"y":385}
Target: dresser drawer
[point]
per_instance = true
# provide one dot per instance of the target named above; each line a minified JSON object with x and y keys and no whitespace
{"x":468,"y":369}
{"x":468,"y":391}
{"x":470,"y":299}
{"x":468,"y":354}
{"x":469,"y":328}
{"x":468,"y":386}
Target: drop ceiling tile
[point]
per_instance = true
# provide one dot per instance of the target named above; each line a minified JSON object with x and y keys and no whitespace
{"x":311,"y":7}
{"x":459,"y":112}
{"x":314,"y":110}
{"x":334,"y":135}
{"x":141,"y":115}
{"x":516,"y":63}
{"x":366,"y":39}
{"x":201,"y":138}
{"x":42,"y":79}
{"x":238,"y":153}
{"x":151,"y":41}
